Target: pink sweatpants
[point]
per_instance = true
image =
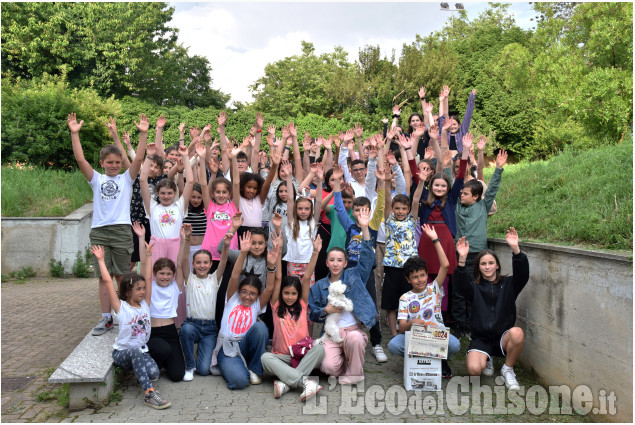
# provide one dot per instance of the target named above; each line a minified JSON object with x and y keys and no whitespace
{"x":346,"y":359}
{"x":169,"y":248}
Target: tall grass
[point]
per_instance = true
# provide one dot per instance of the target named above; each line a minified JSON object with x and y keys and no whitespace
{"x":576,"y":198}
{"x":36,"y":192}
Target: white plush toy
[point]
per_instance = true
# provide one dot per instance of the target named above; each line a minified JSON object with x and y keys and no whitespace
{"x":336,"y":299}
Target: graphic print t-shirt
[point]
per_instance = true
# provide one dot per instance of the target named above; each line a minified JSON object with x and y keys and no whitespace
{"x":425,"y":305}
{"x":134,"y":327}
{"x":165,"y":222}
{"x":111,"y":199}
{"x":238,"y":319}
{"x":219,"y":221}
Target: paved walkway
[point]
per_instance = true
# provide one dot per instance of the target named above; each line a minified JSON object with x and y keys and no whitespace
{"x":44,"y":319}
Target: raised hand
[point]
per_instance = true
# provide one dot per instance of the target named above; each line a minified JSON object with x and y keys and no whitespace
{"x":273,"y":254}
{"x":276,"y":156}
{"x":207,"y":133}
{"x":474,"y":92}
{"x":317,"y":243}
{"x":245,"y":242}
{"x":328,"y":143}
{"x":446,"y":91}
{"x":139,"y":230}
{"x":222,"y":119}
{"x":446,"y":125}
{"x":213,"y":165}
{"x":237,"y":220}
{"x":390,"y":157}
{"x":419,"y":130}
{"x":433,"y":132}
{"x":161,"y":122}
{"x":292,"y":130}
{"x":180,"y":166}
{"x":372,"y":151}
{"x":512,"y":238}
{"x":359,"y":131}
{"x":182,"y":128}
{"x":72,"y":123}
{"x":462,"y":247}
{"x":429,"y":153}
{"x":186,"y":231}
{"x":396,"y":110}
{"x":200,"y":149}
{"x":364,"y":217}
{"x":260,"y":121}
{"x":381,"y":174}
{"x":390,"y":134}
{"x":404,"y":141}
{"x":429,"y":231}
{"x":480,"y":145}
{"x":112,"y":126}
{"x":227,"y":239}
{"x":184,"y":152}
{"x":319,"y":142}
{"x":501,"y":158}
{"x":429,"y":108}
{"x":271,"y":129}
{"x":337,"y":140}
{"x":447,"y":159}
{"x":425,"y":174}
{"x":285,"y":132}
{"x":144,"y":123}
{"x":98,"y":251}
{"x":467,"y":141}
{"x":149,"y":248}
{"x":384,"y":120}
{"x":126,"y":138}
{"x":337,"y":172}
{"x":348,"y":136}
{"x":287,"y":168}
{"x":276,"y":220}
{"x":306,"y":142}
{"x":151,"y":149}
{"x":422,"y":92}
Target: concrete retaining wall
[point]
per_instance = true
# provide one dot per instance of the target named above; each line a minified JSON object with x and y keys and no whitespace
{"x":577,"y":314}
{"x":33,"y":241}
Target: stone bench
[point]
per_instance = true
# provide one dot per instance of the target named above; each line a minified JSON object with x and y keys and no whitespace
{"x":88,"y":370}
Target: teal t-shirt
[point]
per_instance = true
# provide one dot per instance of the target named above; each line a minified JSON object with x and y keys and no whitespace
{"x":338,"y":234}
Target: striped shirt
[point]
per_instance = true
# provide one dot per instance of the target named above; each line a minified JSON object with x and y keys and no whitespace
{"x":198,"y":221}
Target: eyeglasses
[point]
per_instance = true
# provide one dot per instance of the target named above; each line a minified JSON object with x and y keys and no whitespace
{"x":248,"y":294}
{"x":241,"y":161}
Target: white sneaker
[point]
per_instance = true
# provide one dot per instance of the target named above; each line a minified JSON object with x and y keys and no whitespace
{"x":510,"y":379}
{"x":311,"y":388}
{"x":189,"y":375}
{"x":489,"y":367}
{"x":254,"y":379}
{"x":379,"y":354}
{"x":279,"y":388}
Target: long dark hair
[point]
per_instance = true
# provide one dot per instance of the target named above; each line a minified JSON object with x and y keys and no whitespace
{"x":279,"y":201}
{"x":478,"y":277}
{"x":197,"y":188}
{"x":295,"y":309}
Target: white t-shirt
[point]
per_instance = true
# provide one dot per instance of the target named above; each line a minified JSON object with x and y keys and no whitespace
{"x":165,"y":222}
{"x":111,"y":199}
{"x":201,"y":296}
{"x":347,"y":320}
{"x":165,"y":299}
{"x":238,"y":319}
{"x":134,"y":327}
{"x":425,"y":305}
{"x":252,"y":211}
{"x":300,"y":250}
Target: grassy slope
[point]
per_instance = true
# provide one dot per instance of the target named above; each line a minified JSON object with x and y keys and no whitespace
{"x":38,"y":192}
{"x":577,"y":198}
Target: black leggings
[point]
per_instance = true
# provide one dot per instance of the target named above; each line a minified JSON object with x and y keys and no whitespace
{"x":165,"y":348}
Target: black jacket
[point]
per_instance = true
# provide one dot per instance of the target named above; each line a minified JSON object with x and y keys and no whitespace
{"x":493,"y":304}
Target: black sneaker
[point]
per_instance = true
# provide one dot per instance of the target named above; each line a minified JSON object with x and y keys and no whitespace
{"x":105,"y":324}
{"x":446,"y":372}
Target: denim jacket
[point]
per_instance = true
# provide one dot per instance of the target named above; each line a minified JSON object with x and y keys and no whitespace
{"x":355,"y":279}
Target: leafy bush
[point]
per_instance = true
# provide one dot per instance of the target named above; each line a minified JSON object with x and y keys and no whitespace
{"x":81,"y":268}
{"x":34,"y":126}
{"x":56,"y":268}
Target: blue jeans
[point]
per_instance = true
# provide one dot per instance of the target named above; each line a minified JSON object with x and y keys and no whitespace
{"x":397,"y":345}
{"x":201,"y":332}
{"x":252,"y":347}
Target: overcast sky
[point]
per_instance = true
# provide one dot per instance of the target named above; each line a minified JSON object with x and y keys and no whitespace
{"x":239,"y":39}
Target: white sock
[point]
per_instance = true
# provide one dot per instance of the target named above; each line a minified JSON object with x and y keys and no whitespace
{"x":108,"y":315}
{"x":506,"y":368}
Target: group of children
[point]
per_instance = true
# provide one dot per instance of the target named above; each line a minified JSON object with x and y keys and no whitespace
{"x":295,"y":227}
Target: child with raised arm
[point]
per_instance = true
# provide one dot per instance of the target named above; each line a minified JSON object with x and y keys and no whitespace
{"x":422,"y":303}
{"x":471,"y":223}
{"x":242,"y":339}
{"x":166,"y":215}
{"x":289,"y":302}
{"x":201,"y":289}
{"x":345,"y":360}
{"x":493,"y":308}
{"x":132,"y":306}
{"x":110,"y":226}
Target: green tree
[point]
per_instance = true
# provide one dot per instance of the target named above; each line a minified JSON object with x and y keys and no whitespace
{"x":117,"y":48}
